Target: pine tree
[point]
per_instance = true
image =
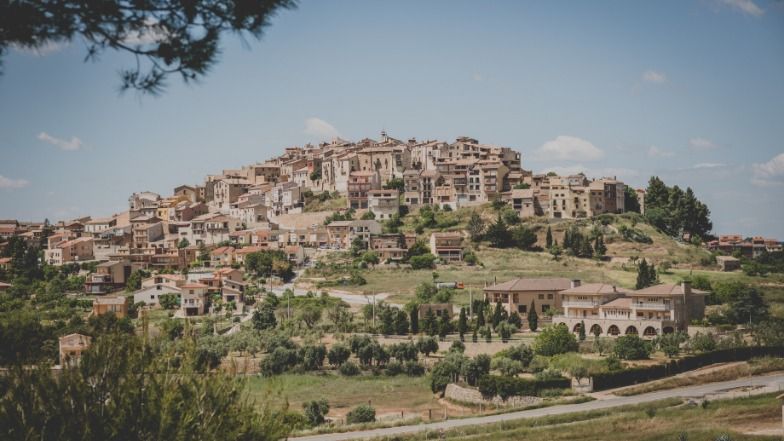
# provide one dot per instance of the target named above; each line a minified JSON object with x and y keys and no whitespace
{"x":657,"y":194}
{"x":585,"y":249}
{"x":498,"y":233}
{"x":476,"y":226}
{"x":533,"y":318}
{"x":643,"y":275}
{"x":548,"y":240}
{"x":462,"y":324}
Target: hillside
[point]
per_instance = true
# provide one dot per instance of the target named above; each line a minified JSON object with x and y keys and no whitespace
{"x":618,"y":267}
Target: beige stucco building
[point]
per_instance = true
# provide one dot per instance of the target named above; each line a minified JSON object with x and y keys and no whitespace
{"x":611,"y":311}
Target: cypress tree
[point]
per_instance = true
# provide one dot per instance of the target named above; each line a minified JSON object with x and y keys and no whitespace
{"x":462,"y":324}
{"x":643,"y":275}
{"x":549,"y":238}
{"x":414,"y":319}
{"x":533,"y":318}
{"x":582,"y":330}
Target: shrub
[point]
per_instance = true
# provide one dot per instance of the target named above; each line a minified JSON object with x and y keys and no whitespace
{"x":393,"y":368}
{"x":414,"y":369}
{"x":632,"y":347}
{"x":315,"y":411}
{"x":505,"y":387}
{"x":425,"y":261}
{"x":349,"y":369}
{"x":361,"y":414}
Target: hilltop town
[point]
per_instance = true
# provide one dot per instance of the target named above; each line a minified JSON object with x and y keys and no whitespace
{"x":469,"y":281}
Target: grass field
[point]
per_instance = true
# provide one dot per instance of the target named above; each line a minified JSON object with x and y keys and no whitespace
{"x":386,"y":394}
{"x":666,"y":420}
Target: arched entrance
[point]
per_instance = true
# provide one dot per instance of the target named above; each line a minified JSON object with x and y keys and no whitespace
{"x":631,"y":330}
{"x":613,"y":330}
{"x":668,"y":330}
{"x":576,"y":329}
{"x":650,"y":331}
{"x":596,"y":330}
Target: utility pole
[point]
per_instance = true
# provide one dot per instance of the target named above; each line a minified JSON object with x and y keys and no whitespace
{"x":374,"y":310}
{"x":470,"y":302}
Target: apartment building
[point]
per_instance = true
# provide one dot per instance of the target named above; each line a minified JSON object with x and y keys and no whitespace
{"x":608,"y":310}
{"x":116,"y":305}
{"x":108,"y":277}
{"x":447,"y":246}
{"x":383,"y":203}
{"x":360,"y":183}
{"x":517,"y":295}
{"x":75,"y":250}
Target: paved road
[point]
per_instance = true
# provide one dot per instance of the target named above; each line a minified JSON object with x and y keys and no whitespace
{"x":770,"y":383}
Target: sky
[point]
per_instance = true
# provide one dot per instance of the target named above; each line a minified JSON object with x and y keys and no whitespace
{"x":690,"y":91}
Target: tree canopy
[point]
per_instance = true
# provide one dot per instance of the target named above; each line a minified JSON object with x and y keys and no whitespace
{"x":165,"y":37}
{"x":676,"y":212}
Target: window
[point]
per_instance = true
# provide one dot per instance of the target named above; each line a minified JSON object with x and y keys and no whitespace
{"x":545,"y":308}
{"x":549,"y":296}
{"x":522,"y":309}
{"x":541,"y":296}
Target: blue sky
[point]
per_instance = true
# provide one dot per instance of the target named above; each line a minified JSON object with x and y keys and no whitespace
{"x":692,"y":91}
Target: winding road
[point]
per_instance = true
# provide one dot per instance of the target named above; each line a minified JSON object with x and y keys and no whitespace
{"x":724,"y":389}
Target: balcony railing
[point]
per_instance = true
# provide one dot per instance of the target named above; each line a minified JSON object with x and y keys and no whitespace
{"x":653,"y":306}
{"x":580,"y":304}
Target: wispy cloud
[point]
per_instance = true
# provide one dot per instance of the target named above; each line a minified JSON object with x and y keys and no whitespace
{"x":63,"y":144}
{"x":770,"y":173}
{"x":320,"y":129}
{"x":568,"y":148}
{"x":655,"y":152}
{"x":709,"y":165}
{"x":477,"y":77}
{"x":48,"y":48}
{"x":9,"y":183}
{"x":747,"y":7}
{"x":652,"y":76}
{"x":702,"y":144}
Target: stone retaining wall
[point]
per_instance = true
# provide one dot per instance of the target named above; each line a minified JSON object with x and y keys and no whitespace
{"x":466,"y":395}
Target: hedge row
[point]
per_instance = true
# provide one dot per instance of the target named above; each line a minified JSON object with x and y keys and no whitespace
{"x":642,"y":374}
{"x":505,"y":387}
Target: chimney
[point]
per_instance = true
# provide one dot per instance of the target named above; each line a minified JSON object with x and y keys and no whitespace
{"x":575,"y":283}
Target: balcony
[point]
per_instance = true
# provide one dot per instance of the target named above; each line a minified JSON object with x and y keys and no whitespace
{"x":580,"y":304}
{"x":652,"y":306}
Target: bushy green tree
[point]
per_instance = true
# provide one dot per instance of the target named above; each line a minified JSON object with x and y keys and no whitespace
{"x":427,"y":345}
{"x":137,"y":391}
{"x":631,"y":347}
{"x":338,"y":354}
{"x":555,"y":340}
